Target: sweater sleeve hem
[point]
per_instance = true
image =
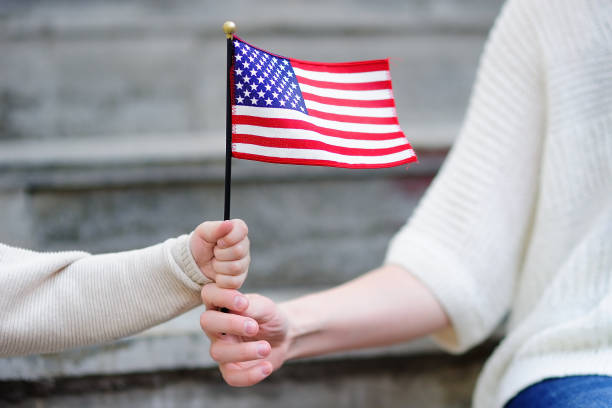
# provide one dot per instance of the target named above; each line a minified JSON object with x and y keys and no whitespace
{"x":184,"y":258}
{"x":452,"y":286}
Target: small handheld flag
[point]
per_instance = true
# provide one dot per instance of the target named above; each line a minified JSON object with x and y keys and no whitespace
{"x":285,"y":110}
{"x":290,"y":111}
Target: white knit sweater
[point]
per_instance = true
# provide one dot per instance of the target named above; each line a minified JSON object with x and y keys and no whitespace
{"x":519,"y":219}
{"x":53,"y":301}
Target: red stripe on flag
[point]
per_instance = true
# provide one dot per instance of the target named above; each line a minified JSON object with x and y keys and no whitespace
{"x":328,"y":163}
{"x":361,"y":86}
{"x":342,"y":67}
{"x":315,"y":144}
{"x":381,"y":103}
{"x":300,"y":124}
{"x":353,"y":119}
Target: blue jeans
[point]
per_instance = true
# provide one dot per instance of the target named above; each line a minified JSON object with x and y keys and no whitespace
{"x":581,"y":391}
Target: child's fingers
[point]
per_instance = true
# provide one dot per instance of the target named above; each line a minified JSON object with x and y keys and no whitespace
{"x":214,"y":322}
{"x":237,"y":233}
{"x":215,"y":297}
{"x":233,"y":268}
{"x":234,"y":252}
{"x":238,"y":376}
{"x":224,"y":352}
{"x":204,"y":239}
{"x":212,"y":231}
{"x":230,"y":282}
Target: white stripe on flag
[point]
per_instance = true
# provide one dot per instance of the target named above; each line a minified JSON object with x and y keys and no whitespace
{"x":315,"y":154}
{"x":350,"y":110}
{"x":345,"y":78}
{"x":370,"y":95}
{"x":280,"y":113}
{"x":301,"y":134}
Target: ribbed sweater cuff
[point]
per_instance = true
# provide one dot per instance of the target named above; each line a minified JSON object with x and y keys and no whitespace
{"x":184,"y":258}
{"x":449,"y":282}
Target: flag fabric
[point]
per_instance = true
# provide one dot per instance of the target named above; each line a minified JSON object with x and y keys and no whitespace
{"x":290,"y":111}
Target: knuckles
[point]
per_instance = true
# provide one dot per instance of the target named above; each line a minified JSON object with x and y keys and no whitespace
{"x":214,"y":351}
{"x":206,"y":294}
{"x":241,"y":249}
{"x":230,"y":282}
{"x":242,"y":226}
{"x":236,"y":267}
{"x":203,"y":228}
{"x":230,"y":379}
{"x":204,"y":321}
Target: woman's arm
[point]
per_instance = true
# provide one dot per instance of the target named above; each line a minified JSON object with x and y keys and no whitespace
{"x":53,"y":301}
{"x":387,"y":305}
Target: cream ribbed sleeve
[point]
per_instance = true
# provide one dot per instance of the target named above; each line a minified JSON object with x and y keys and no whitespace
{"x":466,"y":238}
{"x":53,"y":301}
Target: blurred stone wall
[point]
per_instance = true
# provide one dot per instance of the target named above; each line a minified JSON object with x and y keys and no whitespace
{"x":112,"y":137}
{"x":93,"y":68}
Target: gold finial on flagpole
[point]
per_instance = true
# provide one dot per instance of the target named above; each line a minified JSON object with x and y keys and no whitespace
{"x":229,"y":28}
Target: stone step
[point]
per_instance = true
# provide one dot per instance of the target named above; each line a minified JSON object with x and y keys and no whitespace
{"x":418,"y":381}
{"x":24,"y":19}
{"x":308,"y":225}
{"x":111,"y":68}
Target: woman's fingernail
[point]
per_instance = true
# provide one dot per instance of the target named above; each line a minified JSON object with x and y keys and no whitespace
{"x":240,"y":302}
{"x":266,"y":370}
{"x":250,"y":327}
{"x":263,"y":349}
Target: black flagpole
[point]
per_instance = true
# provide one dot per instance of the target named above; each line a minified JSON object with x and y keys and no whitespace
{"x":229,"y":28}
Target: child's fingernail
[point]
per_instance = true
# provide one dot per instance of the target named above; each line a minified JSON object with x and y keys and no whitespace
{"x":221,"y":243}
{"x":240,"y":302}
{"x":266,"y":370}
{"x":262,"y":349}
{"x":250,"y":327}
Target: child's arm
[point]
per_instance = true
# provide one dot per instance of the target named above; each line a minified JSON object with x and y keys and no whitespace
{"x":387,"y":305}
{"x":53,"y":301}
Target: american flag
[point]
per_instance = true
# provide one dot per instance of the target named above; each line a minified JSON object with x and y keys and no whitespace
{"x":290,"y":111}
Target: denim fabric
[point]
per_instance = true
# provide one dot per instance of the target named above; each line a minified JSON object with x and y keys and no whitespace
{"x":582,"y":391}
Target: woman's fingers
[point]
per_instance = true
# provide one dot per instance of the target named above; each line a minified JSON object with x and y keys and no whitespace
{"x":244,"y":375}
{"x":230,"y":352}
{"x":214,"y":323}
{"x":215,"y":297}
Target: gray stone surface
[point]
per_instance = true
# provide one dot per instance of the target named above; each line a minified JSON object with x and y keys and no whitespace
{"x":426,"y":381}
{"x":99,"y":68}
{"x":302,"y":232}
{"x":308,"y":225}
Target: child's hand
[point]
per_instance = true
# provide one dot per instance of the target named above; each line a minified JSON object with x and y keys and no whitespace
{"x":221,"y":250}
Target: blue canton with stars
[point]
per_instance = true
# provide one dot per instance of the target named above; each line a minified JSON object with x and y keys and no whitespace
{"x":264,"y":80}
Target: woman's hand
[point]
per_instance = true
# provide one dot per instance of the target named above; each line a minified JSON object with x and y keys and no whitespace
{"x":385,"y":306}
{"x":248,"y":343}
